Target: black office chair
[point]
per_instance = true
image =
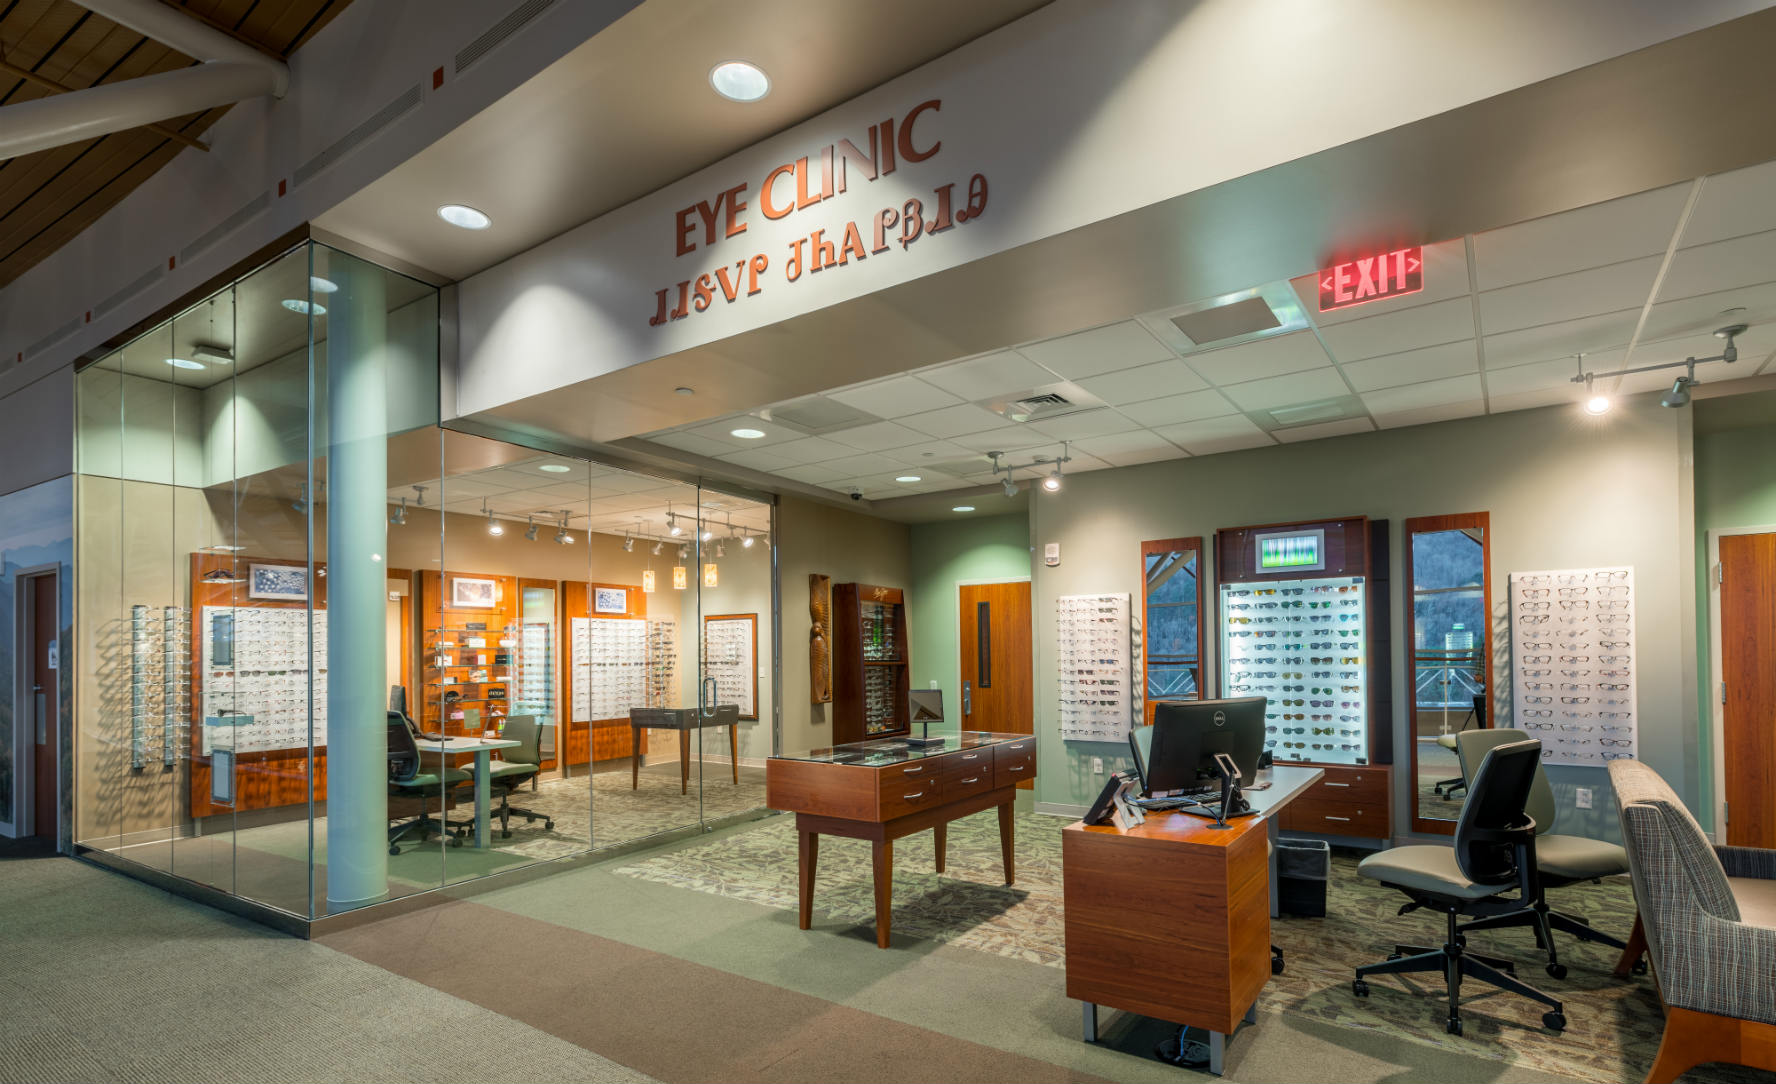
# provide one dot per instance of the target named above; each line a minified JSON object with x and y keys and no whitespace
{"x":410,"y":776}
{"x":1494,"y":853}
{"x":520,"y":766}
{"x":1446,"y":788}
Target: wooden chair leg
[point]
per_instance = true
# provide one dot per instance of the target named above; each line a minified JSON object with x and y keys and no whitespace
{"x":1693,"y":1038}
{"x":1637,"y":946}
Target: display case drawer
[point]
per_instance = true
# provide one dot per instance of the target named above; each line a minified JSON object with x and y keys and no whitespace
{"x":1367,"y":785}
{"x":1365,"y":820}
{"x":967,"y":762}
{"x":966,"y":779}
{"x":1014,"y":762}
{"x":902,"y":794}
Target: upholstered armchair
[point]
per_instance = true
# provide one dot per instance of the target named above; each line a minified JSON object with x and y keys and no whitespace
{"x":1709,"y":928}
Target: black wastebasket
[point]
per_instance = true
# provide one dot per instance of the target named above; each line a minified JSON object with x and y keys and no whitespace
{"x":1303,"y":868}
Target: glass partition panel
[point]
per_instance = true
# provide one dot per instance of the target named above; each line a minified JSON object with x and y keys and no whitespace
{"x":736,"y":701}
{"x":1171,"y":620}
{"x":1449,"y":630}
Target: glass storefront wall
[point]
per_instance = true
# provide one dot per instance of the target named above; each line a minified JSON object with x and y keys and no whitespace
{"x":330,"y":653}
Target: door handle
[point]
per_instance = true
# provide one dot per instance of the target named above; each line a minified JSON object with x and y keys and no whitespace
{"x":42,"y":715}
{"x":710,"y":693}
{"x":967,"y":698}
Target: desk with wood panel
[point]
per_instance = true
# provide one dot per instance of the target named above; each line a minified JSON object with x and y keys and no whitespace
{"x":884,"y":790}
{"x":1171,"y":919}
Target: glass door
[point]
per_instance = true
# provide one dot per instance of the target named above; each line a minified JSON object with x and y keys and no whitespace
{"x":735,"y":635}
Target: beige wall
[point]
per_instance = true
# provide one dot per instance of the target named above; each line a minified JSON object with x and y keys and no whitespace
{"x":1564,"y":491}
{"x":849,"y":547}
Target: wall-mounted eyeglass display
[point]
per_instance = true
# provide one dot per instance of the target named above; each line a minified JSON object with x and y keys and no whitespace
{"x":1092,"y":641}
{"x":1575,"y":673}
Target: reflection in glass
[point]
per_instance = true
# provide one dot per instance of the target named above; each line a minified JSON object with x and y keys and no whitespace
{"x":1173,"y":623}
{"x":1449,"y":653}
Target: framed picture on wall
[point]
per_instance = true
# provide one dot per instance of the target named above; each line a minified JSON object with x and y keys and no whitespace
{"x":610,"y":600}
{"x":280,"y":583}
{"x":473,"y":594}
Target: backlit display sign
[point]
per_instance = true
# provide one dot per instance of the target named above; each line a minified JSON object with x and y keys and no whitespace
{"x":1358,"y":282}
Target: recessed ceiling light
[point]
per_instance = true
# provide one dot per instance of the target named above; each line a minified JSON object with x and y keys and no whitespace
{"x":464,"y":216}
{"x":555,"y":468}
{"x":306,"y":308}
{"x":320,"y":285}
{"x":1597,"y":404}
{"x":184,"y":363}
{"x":738,"y":81}
{"x":684,"y":391}
{"x":749,"y":434}
{"x":963,"y":508}
{"x":909,"y":478}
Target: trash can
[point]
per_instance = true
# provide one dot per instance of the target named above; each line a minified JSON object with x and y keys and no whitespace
{"x":1303,"y":868}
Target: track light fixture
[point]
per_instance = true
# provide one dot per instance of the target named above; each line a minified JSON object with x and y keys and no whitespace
{"x":399,"y":519}
{"x":658,"y":546}
{"x":530,"y":529}
{"x":1050,"y":483}
{"x":562,"y":537}
{"x":746,"y":541}
{"x":721,"y":548}
{"x":493,"y":525}
{"x":628,"y":543}
{"x":684,"y":551}
{"x":1011,"y":487}
{"x":1679,"y":395}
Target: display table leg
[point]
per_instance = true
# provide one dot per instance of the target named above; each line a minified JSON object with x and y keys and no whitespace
{"x":807,"y":857}
{"x":1217,"y":1051}
{"x":941,"y":837}
{"x":1007,"y":828}
{"x":634,"y":757}
{"x":734,"y":751}
{"x":882,"y":859}
{"x":1273,"y":825}
{"x":483,"y":795}
{"x":1091,"y":1021}
{"x":684,"y":760}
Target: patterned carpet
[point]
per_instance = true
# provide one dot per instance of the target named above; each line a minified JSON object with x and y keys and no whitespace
{"x":616,"y":814}
{"x":1615,"y":1025}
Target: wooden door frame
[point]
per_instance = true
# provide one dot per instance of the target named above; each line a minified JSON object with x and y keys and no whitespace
{"x":989,"y":582}
{"x":1717,"y":723}
{"x":24,"y":760}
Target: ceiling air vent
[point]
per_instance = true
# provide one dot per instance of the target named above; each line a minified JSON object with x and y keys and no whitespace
{"x":1048,"y":401}
{"x":820,"y":416}
{"x":1233,"y":321}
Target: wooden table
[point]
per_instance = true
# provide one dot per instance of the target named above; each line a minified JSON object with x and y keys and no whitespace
{"x":885,"y":790}
{"x":683,"y":720}
{"x":483,"y":749}
{"x":1171,"y":919}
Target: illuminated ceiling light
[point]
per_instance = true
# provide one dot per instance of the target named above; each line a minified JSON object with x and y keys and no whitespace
{"x":628,"y":543}
{"x":748,"y":434}
{"x":658,"y":546}
{"x":738,"y":81}
{"x":647,"y":580}
{"x":1011,"y":488}
{"x":555,"y":468}
{"x":909,"y":478}
{"x":399,"y":519}
{"x":530,"y":529}
{"x":1053,"y":482}
{"x":184,"y":363}
{"x":679,"y":581}
{"x":746,"y":543}
{"x":707,"y":534}
{"x":672,"y":527}
{"x":1597,"y":404}
{"x":306,"y":308}
{"x":561,"y":533}
{"x":682,"y":390}
{"x":711,"y":575}
{"x":963,"y":508}
{"x":683,"y":552}
{"x":464,"y":217}
{"x":319,"y":285}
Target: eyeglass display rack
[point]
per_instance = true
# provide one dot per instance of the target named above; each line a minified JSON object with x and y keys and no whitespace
{"x":870,"y":663}
{"x":1302,"y":614}
{"x":534,"y":665}
{"x":257,"y":678}
{"x":662,"y":653}
{"x":612,"y":655}
{"x":1573,"y":663}
{"x":466,"y":660}
{"x":1093,"y":692}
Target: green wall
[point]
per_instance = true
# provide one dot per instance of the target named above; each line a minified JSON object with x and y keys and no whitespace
{"x":979,"y":550}
{"x":1735,"y":487}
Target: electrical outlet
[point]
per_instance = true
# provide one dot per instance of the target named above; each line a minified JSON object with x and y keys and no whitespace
{"x":1582,"y":797}
{"x":1097,"y":765}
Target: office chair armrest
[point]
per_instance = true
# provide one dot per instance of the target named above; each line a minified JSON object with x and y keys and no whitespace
{"x":1717,"y":966}
{"x":1521,"y":835}
{"x":1753,"y":862}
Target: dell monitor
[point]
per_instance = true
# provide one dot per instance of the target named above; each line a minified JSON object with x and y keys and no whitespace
{"x":1188,"y":733}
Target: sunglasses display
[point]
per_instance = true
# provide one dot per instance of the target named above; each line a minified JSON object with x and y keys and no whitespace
{"x":1300,"y":643}
{"x":1092,"y":636}
{"x":1572,"y":653}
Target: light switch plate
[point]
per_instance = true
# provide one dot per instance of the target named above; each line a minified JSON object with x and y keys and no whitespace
{"x":1582,"y":797}
{"x":1097,"y":765}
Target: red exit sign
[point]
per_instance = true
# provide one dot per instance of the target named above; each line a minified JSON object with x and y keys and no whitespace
{"x":1358,"y":282}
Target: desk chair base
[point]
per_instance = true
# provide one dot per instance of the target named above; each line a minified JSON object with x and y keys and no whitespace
{"x":505,"y":816}
{"x":428,"y":828}
{"x":1454,"y":961}
{"x":1543,"y":920}
{"x":1445,"y":789}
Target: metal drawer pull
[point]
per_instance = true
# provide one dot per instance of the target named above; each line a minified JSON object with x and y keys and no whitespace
{"x":976,"y":779}
{"x":912,"y":771}
{"x":1329,"y":784}
{"x":970,"y":756}
{"x":1016,"y":768}
{"x":1330,"y":817}
{"x":910,"y":797}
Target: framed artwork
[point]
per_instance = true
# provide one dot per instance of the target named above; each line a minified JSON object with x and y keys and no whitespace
{"x":282,"y":583}
{"x":473,"y":594}
{"x":610,"y":600}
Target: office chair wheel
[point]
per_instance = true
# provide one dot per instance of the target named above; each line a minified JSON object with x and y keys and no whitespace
{"x":548,"y":824}
{"x":1360,"y":988}
{"x":1556,"y":971}
{"x":505,"y":833}
{"x":394,"y":848}
{"x":1554,"y":1021}
{"x":456,"y":841}
{"x":1454,"y":1026}
{"x":1276,"y":965}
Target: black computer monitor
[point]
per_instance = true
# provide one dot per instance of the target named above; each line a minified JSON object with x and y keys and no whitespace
{"x":1188,"y":733}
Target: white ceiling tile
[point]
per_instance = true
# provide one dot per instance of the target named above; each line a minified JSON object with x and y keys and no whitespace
{"x":1100,"y":350}
{"x":1425,"y":415}
{"x":809,"y":450}
{"x":1445,"y":276}
{"x":1128,"y":449}
{"x":812,"y":473}
{"x":1568,"y":297}
{"x":1724,"y":265}
{"x":1280,"y":391}
{"x":877,"y":437}
{"x":1136,"y":385}
{"x":1413,"y":366}
{"x":1010,"y":438}
{"x":723,"y":432}
{"x":985,"y":377}
{"x":1731,"y":204}
{"x":1553,"y":373}
{"x":1405,"y":329}
{"x":895,"y":397}
{"x":567,"y":491}
{"x":935,"y":451}
{"x":1753,"y":345}
{"x":1086,"y":423}
{"x":1215,"y":435}
{"x":949,"y":421}
{"x":1159,"y":453}
{"x":1274,"y":356}
{"x":1561,"y":340}
{"x":1340,"y":428}
{"x":1431,"y":393}
{"x":758,"y":459}
{"x":1553,"y":395}
{"x":1709,"y":311}
{"x":1603,"y":233}
{"x":1179,"y":408}
{"x":857,"y":466}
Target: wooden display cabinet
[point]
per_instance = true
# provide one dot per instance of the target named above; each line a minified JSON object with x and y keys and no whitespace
{"x":870,"y":663}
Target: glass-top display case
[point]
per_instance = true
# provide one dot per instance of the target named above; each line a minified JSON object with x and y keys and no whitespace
{"x":875,"y":754}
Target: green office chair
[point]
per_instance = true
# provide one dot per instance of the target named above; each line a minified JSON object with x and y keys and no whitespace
{"x":1494,"y":853}
{"x":410,"y":776}
{"x":521,"y":766}
{"x":1560,"y":860}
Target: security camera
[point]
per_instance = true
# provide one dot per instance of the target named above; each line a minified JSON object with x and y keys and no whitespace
{"x":857,"y":495}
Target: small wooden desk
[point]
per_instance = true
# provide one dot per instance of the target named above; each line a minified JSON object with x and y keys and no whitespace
{"x":1171,"y":919}
{"x":683,"y":720}
{"x":884,"y":790}
{"x":483,"y":749}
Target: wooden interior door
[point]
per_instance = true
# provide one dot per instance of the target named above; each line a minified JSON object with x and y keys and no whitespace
{"x":996,"y":667}
{"x":41,"y":698}
{"x":1748,"y":701}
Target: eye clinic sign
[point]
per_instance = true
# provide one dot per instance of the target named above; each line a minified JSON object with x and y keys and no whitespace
{"x":802,"y":185}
